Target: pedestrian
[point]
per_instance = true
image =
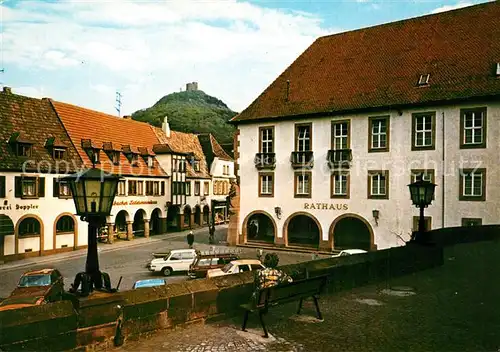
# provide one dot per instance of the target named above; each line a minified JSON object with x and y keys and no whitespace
{"x":190,"y":239}
{"x":211,"y":234}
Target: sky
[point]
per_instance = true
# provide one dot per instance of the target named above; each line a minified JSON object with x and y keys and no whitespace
{"x":83,"y":52}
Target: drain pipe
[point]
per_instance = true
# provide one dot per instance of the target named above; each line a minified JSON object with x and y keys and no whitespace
{"x":443,"y":171}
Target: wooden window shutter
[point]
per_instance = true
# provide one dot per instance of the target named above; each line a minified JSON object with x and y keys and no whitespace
{"x":162,"y":188}
{"x":18,"y":192}
{"x":41,"y":186}
{"x":55,"y":190}
{"x":2,"y":186}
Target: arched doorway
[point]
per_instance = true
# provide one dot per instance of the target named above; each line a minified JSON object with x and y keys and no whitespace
{"x":260,"y":227}
{"x":206,"y":214}
{"x":350,"y":231}
{"x":121,"y":223}
{"x":197,"y":215}
{"x":302,"y":229}
{"x":173,"y":217}
{"x":155,"y":223}
{"x":6,"y":229}
{"x":187,"y":216}
{"x":138,"y":225}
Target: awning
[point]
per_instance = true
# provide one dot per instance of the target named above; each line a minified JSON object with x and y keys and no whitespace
{"x":6,"y":226}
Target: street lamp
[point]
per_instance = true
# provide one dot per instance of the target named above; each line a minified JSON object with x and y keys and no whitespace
{"x":422,"y":194}
{"x":93,"y":192}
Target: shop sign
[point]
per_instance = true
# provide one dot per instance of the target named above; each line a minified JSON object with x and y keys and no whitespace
{"x":19,"y":207}
{"x":134,"y":202}
{"x":326,"y":206}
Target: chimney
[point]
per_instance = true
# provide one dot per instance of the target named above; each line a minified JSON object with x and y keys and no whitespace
{"x":7,"y":90}
{"x":128,"y":117}
{"x":166,"y":127}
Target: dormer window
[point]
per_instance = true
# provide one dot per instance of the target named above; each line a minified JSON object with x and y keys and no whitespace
{"x":56,"y":148}
{"x":424,"y":80}
{"x":196,"y":165}
{"x":58,"y":153}
{"x":21,"y":144}
{"x":149,"y":161}
{"x":114,"y":156}
{"x":92,"y":151}
{"x":23,"y":149}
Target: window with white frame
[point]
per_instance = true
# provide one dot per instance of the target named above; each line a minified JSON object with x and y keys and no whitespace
{"x":340,"y":184}
{"x":266,"y":185}
{"x":423,"y":127}
{"x":303,"y":184}
{"x":473,"y":184}
{"x":379,"y":134}
{"x":340,"y":134}
{"x":473,"y":123}
{"x":122,"y":188}
{"x":267,"y":139}
{"x":378,"y":184}
{"x":303,"y":138}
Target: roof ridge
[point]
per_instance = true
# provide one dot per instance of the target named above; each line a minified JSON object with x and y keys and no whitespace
{"x":410,"y":19}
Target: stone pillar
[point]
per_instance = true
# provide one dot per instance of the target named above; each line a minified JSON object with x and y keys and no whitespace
{"x":130,"y":231}
{"x":279,"y":241}
{"x":192,"y":220}
{"x":233,"y":233}
{"x":111,"y":232}
{"x":163,"y":225}
{"x":181,"y":222}
{"x":146,"y":228}
{"x":325,"y":246}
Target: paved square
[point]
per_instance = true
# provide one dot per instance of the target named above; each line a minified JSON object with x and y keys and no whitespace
{"x":451,"y":308}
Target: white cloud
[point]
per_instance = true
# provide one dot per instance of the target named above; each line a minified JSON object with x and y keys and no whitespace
{"x":148,"y":49}
{"x":452,"y":7}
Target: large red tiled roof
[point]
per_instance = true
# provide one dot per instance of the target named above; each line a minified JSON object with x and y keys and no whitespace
{"x":105,"y":130}
{"x":31,"y":120}
{"x":379,"y":67}
{"x":185,"y":143}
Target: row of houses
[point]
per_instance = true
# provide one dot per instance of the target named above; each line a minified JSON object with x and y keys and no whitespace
{"x":324,"y":155}
{"x":170,"y":180}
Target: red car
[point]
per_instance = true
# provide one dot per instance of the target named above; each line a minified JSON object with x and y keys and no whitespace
{"x":35,"y":288}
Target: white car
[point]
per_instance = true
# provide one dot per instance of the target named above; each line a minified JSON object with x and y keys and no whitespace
{"x":236,"y":266}
{"x":175,"y":260}
{"x":347,"y":252}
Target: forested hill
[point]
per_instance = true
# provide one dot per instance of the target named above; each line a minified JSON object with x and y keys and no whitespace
{"x":192,"y":111}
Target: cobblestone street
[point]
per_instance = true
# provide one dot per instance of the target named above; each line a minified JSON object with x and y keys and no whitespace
{"x":452,"y":308}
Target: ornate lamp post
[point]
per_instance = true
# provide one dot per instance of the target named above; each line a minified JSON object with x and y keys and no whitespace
{"x":422,"y":193}
{"x":93,"y":192}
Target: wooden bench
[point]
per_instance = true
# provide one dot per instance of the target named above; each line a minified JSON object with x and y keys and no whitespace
{"x":284,"y":293}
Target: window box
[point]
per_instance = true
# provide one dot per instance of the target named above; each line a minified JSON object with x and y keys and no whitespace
{"x":339,"y":158}
{"x":265,"y":161}
{"x":302,"y":160}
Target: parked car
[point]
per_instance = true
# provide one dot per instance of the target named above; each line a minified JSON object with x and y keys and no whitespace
{"x":149,"y":283}
{"x":175,"y":260}
{"x":35,"y":288}
{"x":236,"y":266}
{"x":208,"y":261}
{"x":347,"y":252}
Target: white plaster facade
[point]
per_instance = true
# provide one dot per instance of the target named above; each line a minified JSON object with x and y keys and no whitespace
{"x":395,"y":213}
{"x":47,"y":210}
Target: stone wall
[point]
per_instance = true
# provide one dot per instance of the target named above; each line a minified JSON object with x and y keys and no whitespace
{"x":453,"y":235}
{"x":103,"y":318}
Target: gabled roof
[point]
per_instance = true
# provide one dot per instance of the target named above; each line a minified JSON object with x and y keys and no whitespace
{"x":30,"y":120}
{"x":379,"y":67}
{"x":89,"y":128}
{"x":185,"y":143}
{"x":212,"y":149}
